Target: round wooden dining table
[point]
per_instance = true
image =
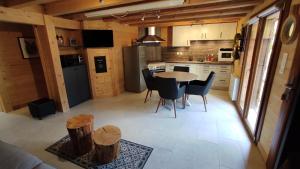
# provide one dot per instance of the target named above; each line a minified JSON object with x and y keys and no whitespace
{"x":179,"y":76}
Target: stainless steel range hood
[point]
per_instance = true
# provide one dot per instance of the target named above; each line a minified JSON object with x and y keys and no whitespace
{"x":150,"y":36}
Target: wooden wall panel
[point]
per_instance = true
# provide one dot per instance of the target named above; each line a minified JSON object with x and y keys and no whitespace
{"x":66,"y":23}
{"x":18,"y":76}
{"x":123,"y":36}
{"x":102,"y":84}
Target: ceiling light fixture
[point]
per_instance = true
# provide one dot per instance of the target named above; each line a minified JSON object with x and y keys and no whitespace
{"x":143,"y":18}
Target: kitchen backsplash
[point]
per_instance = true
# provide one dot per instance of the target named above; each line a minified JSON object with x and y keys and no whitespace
{"x":197,"y":51}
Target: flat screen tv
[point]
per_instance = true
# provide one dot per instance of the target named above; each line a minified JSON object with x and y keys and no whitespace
{"x":97,"y":38}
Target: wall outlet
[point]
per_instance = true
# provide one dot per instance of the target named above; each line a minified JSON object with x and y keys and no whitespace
{"x":283,"y":63}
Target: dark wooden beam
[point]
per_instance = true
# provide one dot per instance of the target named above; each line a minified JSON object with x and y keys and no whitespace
{"x":194,"y":16}
{"x":186,"y":10}
{"x":22,"y":3}
{"x":65,"y":7}
{"x":190,"y":22}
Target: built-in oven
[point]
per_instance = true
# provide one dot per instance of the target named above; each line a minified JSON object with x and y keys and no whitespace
{"x":225,"y":54}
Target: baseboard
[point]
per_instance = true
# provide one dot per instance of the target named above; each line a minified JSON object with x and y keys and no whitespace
{"x":262,"y":151}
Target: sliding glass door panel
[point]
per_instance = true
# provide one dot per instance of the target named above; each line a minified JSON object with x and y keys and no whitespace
{"x":261,"y":69}
{"x":248,"y":65}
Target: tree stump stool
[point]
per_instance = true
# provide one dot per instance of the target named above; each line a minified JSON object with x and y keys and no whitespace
{"x":80,"y":130}
{"x":107,"y":143}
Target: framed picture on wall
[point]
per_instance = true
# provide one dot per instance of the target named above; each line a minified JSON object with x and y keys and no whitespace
{"x":28,"y":47}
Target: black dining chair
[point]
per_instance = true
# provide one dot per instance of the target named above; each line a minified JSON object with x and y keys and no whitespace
{"x":150,"y":82}
{"x":168,"y":89}
{"x":181,"y":69}
{"x":198,"y":87}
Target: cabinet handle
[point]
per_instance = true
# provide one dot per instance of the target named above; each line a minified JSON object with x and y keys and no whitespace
{"x":221,"y":34}
{"x":205,"y":35}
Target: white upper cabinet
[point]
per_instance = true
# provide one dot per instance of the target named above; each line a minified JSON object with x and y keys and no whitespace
{"x":228,"y":31}
{"x":183,"y":34}
{"x":211,"y":31}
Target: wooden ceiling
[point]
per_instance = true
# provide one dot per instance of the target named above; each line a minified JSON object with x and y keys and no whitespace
{"x":191,"y":12}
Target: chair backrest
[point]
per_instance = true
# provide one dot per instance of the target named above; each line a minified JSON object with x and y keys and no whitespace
{"x":209,"y":82}
{"x":167,"y":88}
{"x":149,"y":79}
{"x":181,"y":69}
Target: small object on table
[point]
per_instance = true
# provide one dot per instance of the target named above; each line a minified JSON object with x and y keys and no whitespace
{"x":107,"y":143}
{"x":42,"y":107}
{"x":80,"y":130}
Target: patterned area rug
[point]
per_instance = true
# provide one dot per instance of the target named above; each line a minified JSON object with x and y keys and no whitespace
{"x":132,"y":155}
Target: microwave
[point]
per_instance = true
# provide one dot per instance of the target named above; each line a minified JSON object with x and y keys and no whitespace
{"x":225,"y":54}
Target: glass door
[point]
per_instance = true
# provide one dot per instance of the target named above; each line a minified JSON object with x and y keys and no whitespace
{"x":247,"y":64}
{"x":261,"y":69}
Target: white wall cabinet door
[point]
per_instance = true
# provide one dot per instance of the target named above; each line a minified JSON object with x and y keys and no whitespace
{"x":181,"y":35}
{"x":228,"y":31}
{"x":212,"y":31}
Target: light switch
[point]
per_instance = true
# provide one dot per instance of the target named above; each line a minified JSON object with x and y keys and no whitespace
{"x":283,"y":63}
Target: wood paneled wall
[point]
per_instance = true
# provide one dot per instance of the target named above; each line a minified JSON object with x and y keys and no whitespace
{"x":21,"y":80}
{"x":102,"y":84}
{"x":123,"y":36}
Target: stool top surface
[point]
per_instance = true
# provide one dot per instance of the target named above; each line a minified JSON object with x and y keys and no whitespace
{"x":107,"y":135}
{"x":80,"y":121}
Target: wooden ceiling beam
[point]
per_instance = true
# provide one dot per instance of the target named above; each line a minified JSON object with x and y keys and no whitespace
{"x":232,"y":13}
{"x":187,"y":10}
{"x":65,"y":7}
{"x":196,"y":19}
{"x":22,"y":3}
{"x":191,"y":22}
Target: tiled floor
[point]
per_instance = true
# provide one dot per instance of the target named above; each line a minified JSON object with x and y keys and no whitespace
{"x":194,"y":140}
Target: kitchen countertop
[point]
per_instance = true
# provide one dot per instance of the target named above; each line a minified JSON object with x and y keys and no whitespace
{"x":198,"y":62}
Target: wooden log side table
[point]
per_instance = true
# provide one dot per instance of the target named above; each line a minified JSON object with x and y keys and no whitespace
{"x":107,"y":143}
{"x":80,"y":130}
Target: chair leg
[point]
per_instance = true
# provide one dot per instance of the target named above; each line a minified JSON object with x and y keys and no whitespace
{"x":163,"y":102}
{"x":174,"y":104}
{"x":204,"y":103}
{"x":183,"y":101}
{"x":205,"y":99}
{"x":146,"y":96}
{"x":150,"y":93}
{"x":160,"y":100}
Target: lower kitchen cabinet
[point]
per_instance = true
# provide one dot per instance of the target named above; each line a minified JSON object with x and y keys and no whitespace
{"x":223,"y":73}
{"x":77,"y":84}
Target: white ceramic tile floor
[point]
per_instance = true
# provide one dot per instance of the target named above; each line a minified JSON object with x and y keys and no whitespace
{"x":194,"y":140}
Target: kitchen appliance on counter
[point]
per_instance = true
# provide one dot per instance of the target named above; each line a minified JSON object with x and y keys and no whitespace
{"x":157,"y":67}
{"x":225,"y":54}
{"x":135,"y":60}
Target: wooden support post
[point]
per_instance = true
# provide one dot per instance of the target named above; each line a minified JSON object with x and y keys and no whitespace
{"x":50,"y":58}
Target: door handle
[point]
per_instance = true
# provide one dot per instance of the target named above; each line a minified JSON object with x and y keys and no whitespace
{"x":288,"y":90}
